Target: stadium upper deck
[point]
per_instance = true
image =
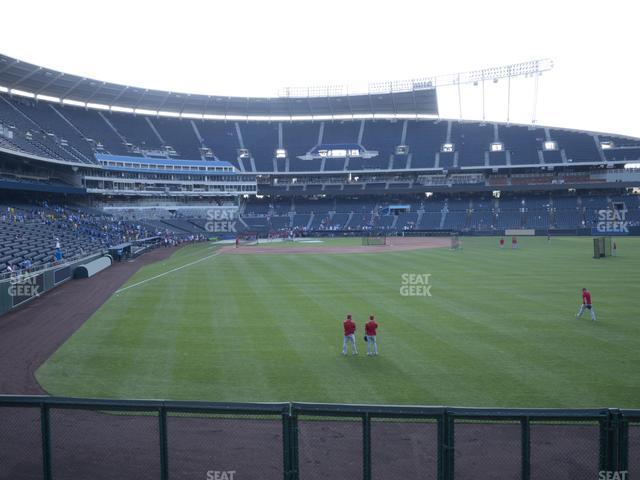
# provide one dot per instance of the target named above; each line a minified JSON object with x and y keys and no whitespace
{"x":72,"y":120}
{"x":73,"y":134}
{"x":25,"y":77}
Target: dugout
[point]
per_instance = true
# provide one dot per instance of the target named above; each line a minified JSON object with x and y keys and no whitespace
{"x":122,"y":251}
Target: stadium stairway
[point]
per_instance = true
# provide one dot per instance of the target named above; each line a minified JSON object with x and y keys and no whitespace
{"x":443,"y":217}
{"x":310,"y":222}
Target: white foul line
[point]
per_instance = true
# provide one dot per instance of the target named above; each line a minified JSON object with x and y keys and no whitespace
{"x":168,"y":272}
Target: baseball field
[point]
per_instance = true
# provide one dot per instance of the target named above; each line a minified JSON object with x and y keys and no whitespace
{"x":481,"y":326}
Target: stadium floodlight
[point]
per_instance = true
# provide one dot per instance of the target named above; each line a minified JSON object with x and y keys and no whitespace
{"x":48,"y":98}
{"x":73,"y":103}
{"x":22,"y":93}
{"x":497,"y":147}
{"x":118,"y":108}
{"x":550,"y":146}
{"x":144,"y":111}
{"x":208,"y":116}
{"x":281,"y":153}
{"x":164,"y":113}
{"x":494,"y":74}
{"x":447,"y":147}
{"x":192,"y":116}
{"x":606,"y":145}
{"x":98,"y":106}
{"x":4,"y":89}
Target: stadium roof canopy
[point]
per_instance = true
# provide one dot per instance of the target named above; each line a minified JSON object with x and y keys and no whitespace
{"x":390,"y":98}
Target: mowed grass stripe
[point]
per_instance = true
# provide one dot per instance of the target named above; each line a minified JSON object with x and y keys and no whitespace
{"x":425,"y":334}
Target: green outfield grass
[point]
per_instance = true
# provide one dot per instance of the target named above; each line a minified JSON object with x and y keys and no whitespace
{"x":498,"y":330}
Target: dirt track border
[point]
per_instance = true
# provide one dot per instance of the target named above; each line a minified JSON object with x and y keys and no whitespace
{"x":30,"y":334}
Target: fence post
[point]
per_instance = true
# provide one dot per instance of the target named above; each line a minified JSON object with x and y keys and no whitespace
{"x":366,"y":446}
{"x":610,"y":436}
{"x":287,"y":447}
{"x":614,"y":439}
{"x":440,"y":444}
{"x":623,"y":444}
{"x":291,"y":422}
{"x":445,"y":446}
{"x":525,"y":441}
{"x":45,"y":428}
{"x":603,"y":463}
{"x":164,"y":465}
{"x":451,"y":449}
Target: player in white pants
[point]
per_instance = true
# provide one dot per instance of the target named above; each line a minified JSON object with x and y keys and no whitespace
{"x":349,"y":336}
{"x":586,"y":303}
{"x":371,"y":328}
{"x":349,"y":339}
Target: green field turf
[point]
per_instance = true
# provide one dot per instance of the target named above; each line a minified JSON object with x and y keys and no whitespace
{"x":498,"y":330}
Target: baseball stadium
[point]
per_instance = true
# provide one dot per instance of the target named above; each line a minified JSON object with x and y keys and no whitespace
{"x":318,"y":284}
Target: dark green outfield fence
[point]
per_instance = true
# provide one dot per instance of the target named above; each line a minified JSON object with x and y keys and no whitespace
{"x":62,"y":438}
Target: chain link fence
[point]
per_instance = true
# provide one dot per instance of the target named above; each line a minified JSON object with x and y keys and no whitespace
{"x":249,"y":445}
{"x":630,"y":440}
{"x":20,"y":442}
{"x":58,"y":438}
{"x":405,"y":448}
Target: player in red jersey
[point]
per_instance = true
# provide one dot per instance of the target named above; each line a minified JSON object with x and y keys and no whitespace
{"x":502,"y":243}
{"x":586,"y":303}
{"x":370,"y":329}
{"x":349,"y":336}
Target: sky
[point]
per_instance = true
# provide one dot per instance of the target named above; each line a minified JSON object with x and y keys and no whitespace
{"x":250,"y":48}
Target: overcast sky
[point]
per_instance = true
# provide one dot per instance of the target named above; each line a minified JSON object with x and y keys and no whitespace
{"x":255,"y":47}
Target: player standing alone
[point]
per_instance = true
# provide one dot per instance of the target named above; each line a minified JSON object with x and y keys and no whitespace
{"x":586,"y":303}
{"x":370,"y":329}
{"x":349,"y":336}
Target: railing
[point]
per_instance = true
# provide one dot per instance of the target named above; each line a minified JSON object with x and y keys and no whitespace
{"x":43,"y":267}
{"x":59,"y":438}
